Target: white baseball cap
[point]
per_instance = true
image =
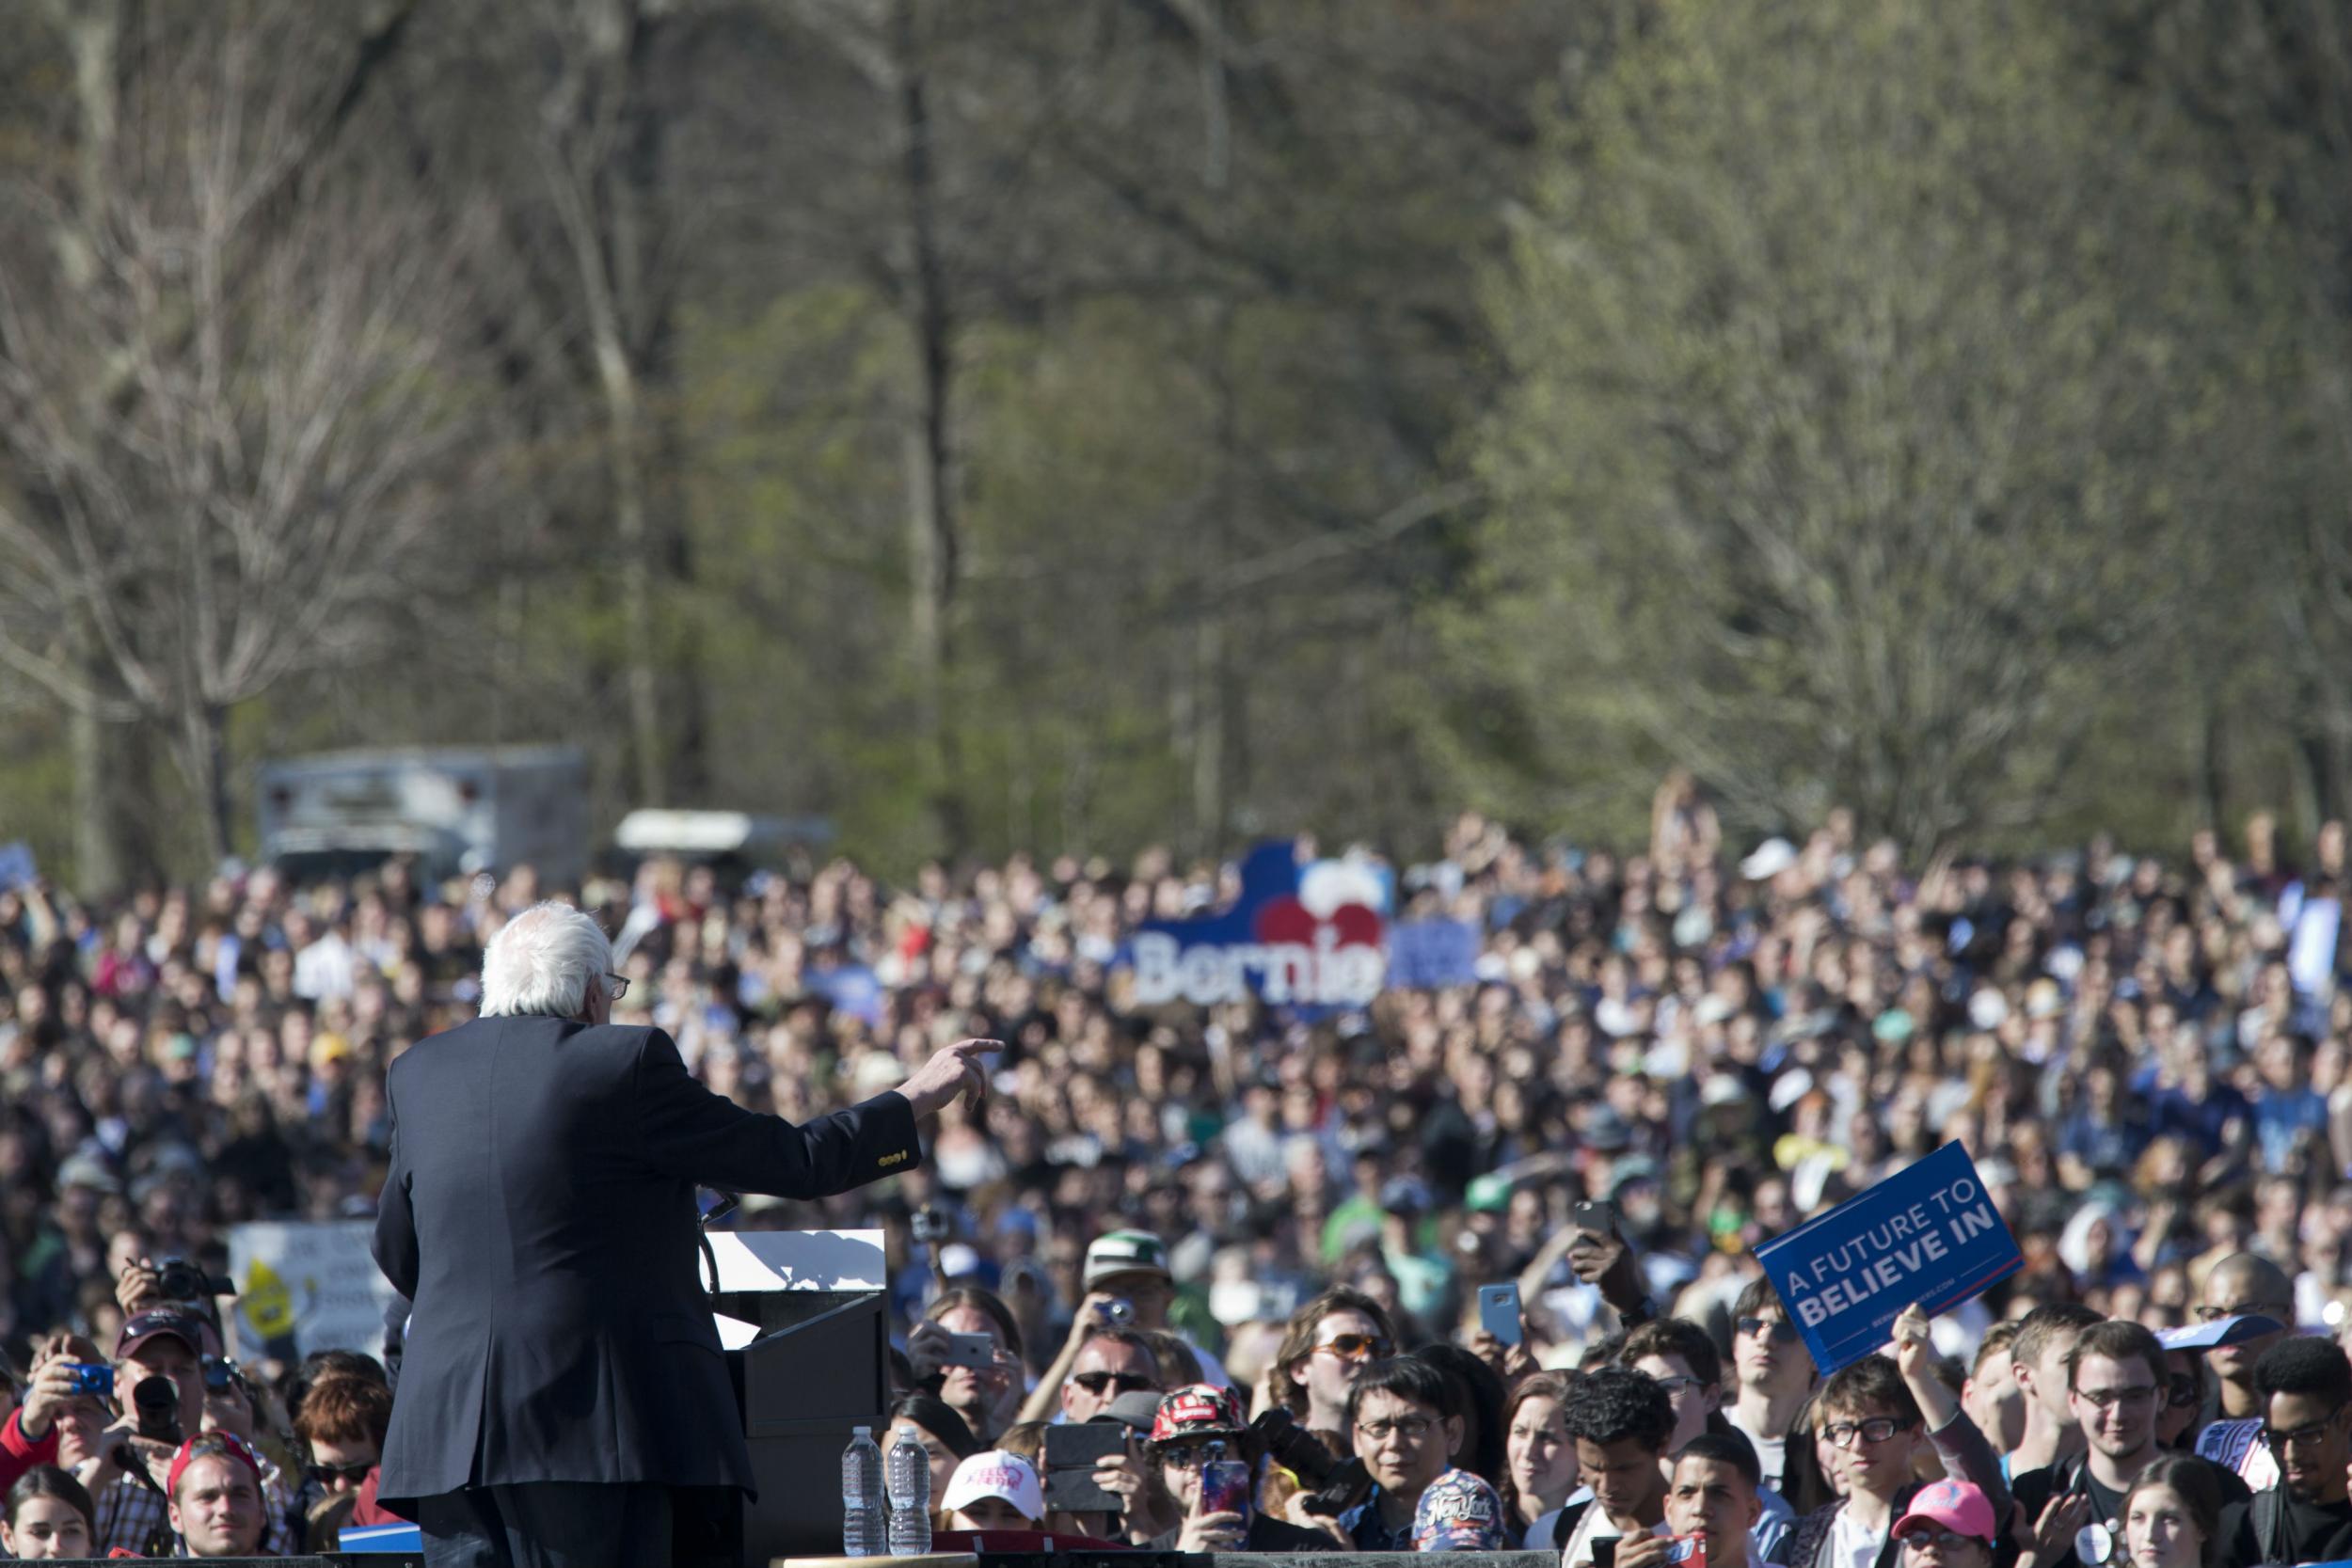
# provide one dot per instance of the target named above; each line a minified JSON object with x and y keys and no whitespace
{"x":995,"y":1473}
{"x":1768,"y":860}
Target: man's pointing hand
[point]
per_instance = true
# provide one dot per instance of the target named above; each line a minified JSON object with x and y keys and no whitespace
{"x":957,"y":1070}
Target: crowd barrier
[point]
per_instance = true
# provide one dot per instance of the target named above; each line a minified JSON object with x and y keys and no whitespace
{"x":984,"y":1559}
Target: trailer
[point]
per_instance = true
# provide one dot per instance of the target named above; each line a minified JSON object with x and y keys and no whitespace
{"x":458,"y":810}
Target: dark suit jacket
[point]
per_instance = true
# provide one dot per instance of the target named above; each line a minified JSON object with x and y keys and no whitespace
{"x":540,"y":1213}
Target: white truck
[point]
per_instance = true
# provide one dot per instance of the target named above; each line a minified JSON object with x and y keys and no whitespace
{"x":456,"y":809}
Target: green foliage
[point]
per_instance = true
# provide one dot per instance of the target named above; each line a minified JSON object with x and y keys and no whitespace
{"x":1848,"y":385}
{"x":1353,"y":410}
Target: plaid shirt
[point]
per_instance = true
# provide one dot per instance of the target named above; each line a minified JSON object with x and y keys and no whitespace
{"x":132,"y":1517}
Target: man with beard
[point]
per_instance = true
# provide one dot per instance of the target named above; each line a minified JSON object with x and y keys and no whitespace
{"x":2306,"y":1390}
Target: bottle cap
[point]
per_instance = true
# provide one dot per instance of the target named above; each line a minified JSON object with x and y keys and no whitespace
{"x":861,"y":1432}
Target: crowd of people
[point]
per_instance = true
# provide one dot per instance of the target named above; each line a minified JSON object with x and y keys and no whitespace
{"x":2069,"y":1439}
{"x":1157,"y":1206}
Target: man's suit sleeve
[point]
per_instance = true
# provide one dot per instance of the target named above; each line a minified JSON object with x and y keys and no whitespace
{"x":689,"y":1132}
{"x":395,"y":1220}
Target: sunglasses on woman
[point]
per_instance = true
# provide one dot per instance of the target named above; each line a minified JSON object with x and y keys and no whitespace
{"x":1184,"y":1456}
{"x":1357,"y":1347}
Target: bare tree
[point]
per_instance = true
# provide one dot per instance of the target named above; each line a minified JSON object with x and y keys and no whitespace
{"x":889,"y":43}
{"x":604,"y":125}
{"x":230,"y":397}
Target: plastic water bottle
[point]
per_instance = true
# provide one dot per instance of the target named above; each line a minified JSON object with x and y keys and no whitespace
{"x":864,"y":1520}
{"x":909,"y":1468}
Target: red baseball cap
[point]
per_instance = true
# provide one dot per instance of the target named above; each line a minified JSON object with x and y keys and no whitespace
{"x":211,"y":1445}
{"x":1197,"y":1410}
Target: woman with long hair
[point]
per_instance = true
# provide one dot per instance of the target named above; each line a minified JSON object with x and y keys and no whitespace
{"x":1539,"y":1461}
{"x":2172,"y":1514}
{"x":48,"y":1514}
{"x":1809,"y":1478}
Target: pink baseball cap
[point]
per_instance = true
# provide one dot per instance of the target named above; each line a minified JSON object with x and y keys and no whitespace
{"x":1952,"y":1505}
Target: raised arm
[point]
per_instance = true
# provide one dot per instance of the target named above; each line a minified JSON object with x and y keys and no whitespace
{"x":1966,"y":1455}
{"x":684,"y":1130}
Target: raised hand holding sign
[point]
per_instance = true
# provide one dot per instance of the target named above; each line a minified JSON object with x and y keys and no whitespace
{"x":1925,"y":1236}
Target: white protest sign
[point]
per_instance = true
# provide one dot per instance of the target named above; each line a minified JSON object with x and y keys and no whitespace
{"x":304,"y":1286}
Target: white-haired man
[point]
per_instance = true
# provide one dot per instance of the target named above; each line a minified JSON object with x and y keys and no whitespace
{"x":561,"y":1374}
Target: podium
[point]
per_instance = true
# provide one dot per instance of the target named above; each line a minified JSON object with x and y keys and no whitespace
{"x":804,"y":1317}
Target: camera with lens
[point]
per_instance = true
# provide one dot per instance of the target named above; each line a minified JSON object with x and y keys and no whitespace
{"x":156,"y":1400}
{"x":931,"y":1225}
{"x":180,"y":1280}
{"x":222,"y":1376}
{"x":1333,"y":1485}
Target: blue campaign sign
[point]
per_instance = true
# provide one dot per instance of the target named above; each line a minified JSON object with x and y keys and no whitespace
{"x":1926,"y":1234}
{"x":1303,"y":935}
{"x":852,"y":988}
{"x":1427,"y":953}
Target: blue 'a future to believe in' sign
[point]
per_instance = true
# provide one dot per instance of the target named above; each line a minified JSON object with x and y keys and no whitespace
{"x":1926,"y":1234}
